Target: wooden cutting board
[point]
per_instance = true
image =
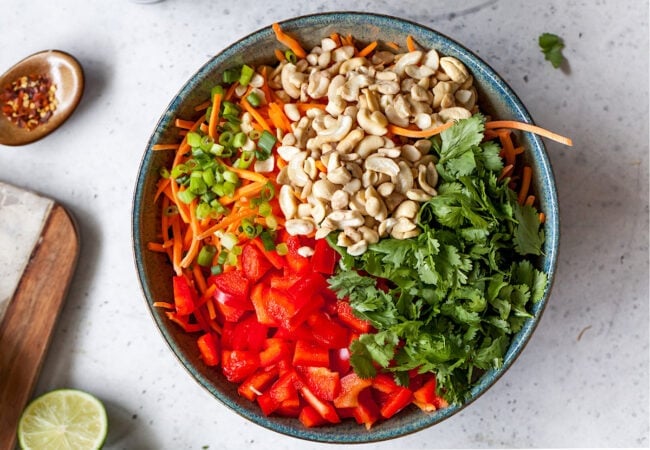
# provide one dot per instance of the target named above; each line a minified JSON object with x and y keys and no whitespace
{"x":39,"y":246}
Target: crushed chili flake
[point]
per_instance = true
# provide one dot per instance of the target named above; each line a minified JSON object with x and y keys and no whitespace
{"x":29,"y":101}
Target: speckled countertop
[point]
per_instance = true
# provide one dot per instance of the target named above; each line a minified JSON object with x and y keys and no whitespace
{"x":583,"y":378}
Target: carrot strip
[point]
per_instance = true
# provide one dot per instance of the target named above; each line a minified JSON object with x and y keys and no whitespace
{"x":212,"y":313}
{"x":506,"y":171}
{"x":156,"y":247}
{"x":165,"y":305}
{"x":542,"y":217}
{"x":530,"y":128}
{"x":214,"y":115}
{"x":163,"y":184}
{"x":157,"y":147}
{"x":191,"y":253}
{"x":525,"y":184}
{"x":530,"y":200}
{"x":418,"y":133}
{"x":230,"y":93}
{"x":230,"y":218}
{"x":256,"y":115}
{"x":365,"y":51}
{"x":244,"y":191}
{"x":519,"y":150}
{"x":410,"y":43}
{"x":506,"y":145}
{"x":177,"y":247}
{"x":278,"y":118}
{"x":203,"y":106}
{"x":336,"y":38}
{"x":185,"y":124}
{"x":199,"y":278}
{"x":279,"y":55}
{"x":393,"y":45}
{"x":287,"y":40}
{"x":248,"y":175}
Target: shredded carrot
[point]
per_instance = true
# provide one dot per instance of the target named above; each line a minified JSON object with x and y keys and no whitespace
{"x":177,"y":247}
{"x":230,"y":93}
{"x":418,"y":133}
{"x":279,"y":55}
{"x":506,"y":171}
{"x":256,"y":115}
{"x":530,"y":200}
{"x":525,"y":184}
{"x":410,"y":43}
{"x":163,"y":185}
{"x":214,"y":115}
{"x":186,"y":124}
{"x":199,"y":278}
{"x":229,"y":219}
{"x":519,"y":150}
{"x":367,"y":49}
{"x":157,"y":147}
{"x":203,"y":106}
{"x":156,"y":247}
{"x":530,"y":128}
{"x":542,"y":217}
{"x":287,"y":40}
{"x":279,"y":119}
{"x":204,"y":128}
{"x":508,"y":149}
{"x":267,"y":91}
{"x":249,"y":175}
{"x":212,"y":313}
{"x":336,"y":38}
{"x":281,"y":163}
{"x":244,"y":191}
{"x":165,"y":305}
{"x":347,"y":40}
{"x":393,"y":45}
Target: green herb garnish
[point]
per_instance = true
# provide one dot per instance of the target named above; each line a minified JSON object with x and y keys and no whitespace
{"x":552,"y":45}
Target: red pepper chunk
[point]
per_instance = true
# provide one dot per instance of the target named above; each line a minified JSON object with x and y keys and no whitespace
{"x":237,"y":365}
{"x":254,"y":264}
{"x":324,"y":383}
{"x":209,"y":348}
{"x":308,"y":353}
{"x":351,"y":386}
{"x":327,"y":332}
{"x":259,"y":298}
{"x":232,"y":289}
{"x":258,"y":382}
{"x":296,"y":262}
{"x":367,"y":411}
{"x":185,"y":296}
{"x":324,"y":408}
{"x":324,"y":258}
{"x":309,"y":417}
{"x":249,"y":334}
{"x":275,"y":350}
{"x":347,"y":316}
{"x":395,"y":402}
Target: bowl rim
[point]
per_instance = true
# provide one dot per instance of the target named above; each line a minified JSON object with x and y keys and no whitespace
{"x":519,"y":340}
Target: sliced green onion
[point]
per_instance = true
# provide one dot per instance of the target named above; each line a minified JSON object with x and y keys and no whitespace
{"x":245,"y":160}
{"x":236,"y":250}
{"x":291,"y":56}
{"x":226,"y":139}
{"x":254,"y":99}
{"x":208,"y":177}
{"x":231,"y":75}
{"x":239,"y":140}
{"x":186,"y":196}
{"x":228,"y":240}
{"x":206,"y":255}
{"x":203,"y":210}
{"x":218,"y":89}
{"x":222,"y":257}
{"x":231,"y":177}
{"x":229,"y":188}
{"x":183,"y":179}
{"x":171,"y":210}
{"x":178,"y":170}
{"x":231,"y":260}
{"x":232,"y":126}
{"x":265,"y":209}
{"x":217,"y":149}
{"x":193,"y":139}
{"x":206,"y":143}
{"x":267,"y":240}
{"x":249,"y":228}
{"x":282,"y":249}
{"x":216,"y":270}
{"x":254,"y":134}
{"x":164,"y":172}
{"x":271,"y":222}
{"x":231,"y":109}
{"x":197,"y":185}
{"x":268,"y":192}
{"x":265,"y":145}
{"x":247,"y":73}
{"x":208,"y":113}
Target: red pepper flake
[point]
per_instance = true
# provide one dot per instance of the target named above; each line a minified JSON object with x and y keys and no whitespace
{"x":29,"y":101}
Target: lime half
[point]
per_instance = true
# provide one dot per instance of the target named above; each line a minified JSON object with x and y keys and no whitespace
{"x":63,"y":419}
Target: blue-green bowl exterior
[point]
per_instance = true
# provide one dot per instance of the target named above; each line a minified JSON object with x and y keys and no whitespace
{"x":154,"y":270}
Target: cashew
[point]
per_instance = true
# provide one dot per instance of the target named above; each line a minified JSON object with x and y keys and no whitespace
{"x":287,"y":152}
{"x":340,"y":175}
{"x":402,"y":106}
{"x":343,"y":53}
{"x":322,"y":232}
{"x":295,"y":170}
{"x":432,"y":59}
{"x":265,"y":166}
{"x":288,"y":202}
{"x":368,"y":145}
{"x":340,"y":128}
{"x":371,"y":100}
{"x":418,"y":195}
{"x":352,"y":186}
{"x":350,"y":90}
{"x":340,"y":199}
{"x":382,"y":57}
{"x":304,"y":210}
{"x":404,"y":178}
{"x":405,"y":60}
{"x":350,"y":141}
{"x":372,"y":122}
{"x":318,"y":84}
{"x":353,"y":234}
{"x":382,"y":164}
{"x":423,"y":121}
{"x":410,"y":152}
{"x":318,"y":209}
{"x":385,"y":189}
{"x":419,"y":72}
{"x":420,"y":94}
{"x":454,"y":69}
{"x":291,"y":80}
{"x":390,"y":152}
{"x":454,"y":113}
{"x":395,"y":118}
{"x":283,"y":176}
{"x":408,"y":209}
{"x":292,"y":112}
{"x":327,"y":44}
{"x":345,"y":218}
{"x":298,"y":226}
{"x":428,"y":178}
{"x":369,"y":235}
{"x":386,"y":226}
{"x":355,"y":169}
{"x":306,"y":251}
{"x":352,"y":64}
{"x":324,"y":189}
{"x":375,"y":207}
{"x":358,"y":248}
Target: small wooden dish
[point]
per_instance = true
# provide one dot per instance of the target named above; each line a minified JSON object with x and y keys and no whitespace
{"x":65,"y":72}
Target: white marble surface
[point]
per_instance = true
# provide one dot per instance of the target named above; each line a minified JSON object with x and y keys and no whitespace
{"x":583,"y":378}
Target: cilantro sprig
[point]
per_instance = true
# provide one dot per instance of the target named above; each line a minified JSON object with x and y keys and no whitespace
{"x":552,"y":45}
{"x":459,"y":290}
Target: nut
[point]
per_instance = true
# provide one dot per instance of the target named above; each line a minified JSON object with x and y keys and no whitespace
{"x":299,"y":226}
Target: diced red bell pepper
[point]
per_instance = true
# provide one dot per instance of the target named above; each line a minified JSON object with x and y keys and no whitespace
{"x":324,"y":383}
{"x":309,"y":417}
{"x":367,"y":411}
{"x":324,"y":408}
{"x":237,"y":365}
{"x":326,"y":331}
{"x":249,"y":334}
{"x":296,"y":262}
{"x":324,"y":258}
{"x":425,"y":396}
{"x":309,"y":353}
{"x":347,"y":316}
{"x":185,"y":296}
{"x":231,"y":313}
{"x":351,"y":386}
{"x":301,"y":332}
{"x":289,"y":408}
{"x":232,"y":289}
{"x":259,"y":298}
{"x":283,"y":391}
{"x":385,"y":383}
{"x":257,"y":382}
{"x":276,"y":349}
{"x":312,"y":305}
{"x":267,"y":404}
{"x":340,"y":360}
{"x":272,"y":256}
{"x":396,"y":401}
{"x":284,"y":282}
{"x":282,"y":306}
{"x":209,"y":347}
{"x":254,"y":263}
{"x":308,"y":285}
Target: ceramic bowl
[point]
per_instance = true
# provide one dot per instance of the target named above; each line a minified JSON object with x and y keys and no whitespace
{"x":497,"y":99}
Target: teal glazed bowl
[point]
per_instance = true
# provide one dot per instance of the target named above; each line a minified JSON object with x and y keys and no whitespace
{"x":496,"y":99}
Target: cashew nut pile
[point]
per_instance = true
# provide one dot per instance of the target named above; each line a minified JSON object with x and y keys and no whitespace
{"x":342,"y":172}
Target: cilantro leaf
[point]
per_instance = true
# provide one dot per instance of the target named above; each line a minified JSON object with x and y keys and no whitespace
{"x":552,"y":45}
{"x":528,"y":237}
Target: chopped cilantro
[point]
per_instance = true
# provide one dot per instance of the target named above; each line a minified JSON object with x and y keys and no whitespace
{"x":460,"y":289}
{"x":552,"y":45}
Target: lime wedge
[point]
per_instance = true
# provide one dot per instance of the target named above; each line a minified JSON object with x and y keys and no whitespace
{"x":63,"y":419}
